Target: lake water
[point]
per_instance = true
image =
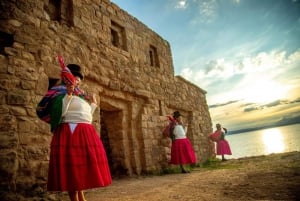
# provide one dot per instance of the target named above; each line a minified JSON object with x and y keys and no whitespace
{"x":266,"y":141}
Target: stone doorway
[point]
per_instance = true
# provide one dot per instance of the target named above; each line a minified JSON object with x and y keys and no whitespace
{"x":112,"y":138}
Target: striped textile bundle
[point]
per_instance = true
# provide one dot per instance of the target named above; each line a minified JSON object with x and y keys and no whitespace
{"x":44,"y":107}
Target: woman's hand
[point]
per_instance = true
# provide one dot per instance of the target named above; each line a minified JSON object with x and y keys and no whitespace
{"x":94,"y":99}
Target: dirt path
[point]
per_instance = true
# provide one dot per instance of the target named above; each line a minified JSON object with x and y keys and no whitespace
{"x":273,"y":177}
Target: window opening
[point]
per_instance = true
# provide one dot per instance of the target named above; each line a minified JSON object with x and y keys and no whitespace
{"x":118,"y":36}
{"x":153,"y":56}
{"x":67,"y":13}
{"x":61,"y":11}
{"x":54,"y":9}
{"x":6,"y":40}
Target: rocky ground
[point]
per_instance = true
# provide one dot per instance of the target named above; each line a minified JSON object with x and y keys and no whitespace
{"x":272,"y":177}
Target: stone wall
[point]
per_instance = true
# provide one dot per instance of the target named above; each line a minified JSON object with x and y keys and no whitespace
{"x":125,"y":63}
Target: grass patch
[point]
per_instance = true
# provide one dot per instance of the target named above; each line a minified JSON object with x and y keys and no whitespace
{"x":170,"y":170}
{"x":215,"y":164}
{"x":177,"y":169}
{"x":209,"y":164}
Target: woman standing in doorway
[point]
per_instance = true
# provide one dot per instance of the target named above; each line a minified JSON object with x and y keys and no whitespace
{"x":182,"y":151}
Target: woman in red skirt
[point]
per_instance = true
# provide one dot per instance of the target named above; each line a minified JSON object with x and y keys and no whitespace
{"x":223,"y":147}
{"x":182,"y":151}
{"x":77,"y":157}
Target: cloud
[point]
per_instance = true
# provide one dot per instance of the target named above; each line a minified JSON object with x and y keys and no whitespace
{"x":295,"y":100}
{"x":250,"y":109}
{"x":245,"y":115}
{"x":273,"y":104}
{"x":261,"y":62}
{"x":267,"y":65}
{"x":223,"y":104}
{"x":227,"y":80}
{"x":207,"y":11}
{"x":253,"y":107}
{"x":182,"y":4}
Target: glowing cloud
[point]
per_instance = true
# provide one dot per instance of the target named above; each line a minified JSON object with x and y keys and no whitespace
{"x":181,"y":4}
{"x":263,"y":91}
{"x":260,"y":77}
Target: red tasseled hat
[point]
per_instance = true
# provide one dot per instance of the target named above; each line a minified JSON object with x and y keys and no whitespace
{"x":66,"y":75}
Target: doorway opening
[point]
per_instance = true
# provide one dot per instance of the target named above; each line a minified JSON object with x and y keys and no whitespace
{"x":112,"y":139}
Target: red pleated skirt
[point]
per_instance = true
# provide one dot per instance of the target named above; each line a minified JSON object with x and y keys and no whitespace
{"x":223,"y":148}
{"x":77,"y":160}
{"x":182,"y":152}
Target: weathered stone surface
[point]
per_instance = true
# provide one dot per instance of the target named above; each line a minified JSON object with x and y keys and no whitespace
{"x":135,"y":89}
{"x":8,"y":140}
{"x":18,"y":97}
{"x":9,"y":169}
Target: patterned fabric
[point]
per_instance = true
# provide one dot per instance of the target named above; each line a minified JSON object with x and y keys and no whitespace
{"x":77,"y":159}
{"x":44,"y":107}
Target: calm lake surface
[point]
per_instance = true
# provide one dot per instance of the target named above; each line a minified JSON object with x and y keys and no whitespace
{"x":266,"y":141}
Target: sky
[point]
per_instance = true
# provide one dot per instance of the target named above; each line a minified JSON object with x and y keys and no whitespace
{"x":244,"y":53}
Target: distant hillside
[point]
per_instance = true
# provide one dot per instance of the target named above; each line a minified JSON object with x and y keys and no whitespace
{"x":283,"y":122}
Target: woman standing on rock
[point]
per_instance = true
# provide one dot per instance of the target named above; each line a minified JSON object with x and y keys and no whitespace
{"x":223,"y":147}
{"x":77,"y":157}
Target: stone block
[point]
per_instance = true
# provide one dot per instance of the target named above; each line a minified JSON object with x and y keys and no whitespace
{"x":8,"y":123}
{"x":8,"y":140}
{"x":8,"y":166}
{"x":17,"y":99}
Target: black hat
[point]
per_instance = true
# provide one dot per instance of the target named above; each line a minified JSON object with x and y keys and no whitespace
{"x":75,"y":70}
{"x":176,"y":114}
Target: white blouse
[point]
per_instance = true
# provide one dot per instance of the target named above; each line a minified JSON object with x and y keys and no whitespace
{"x":77,"y":110}
{"x":180,"y":132}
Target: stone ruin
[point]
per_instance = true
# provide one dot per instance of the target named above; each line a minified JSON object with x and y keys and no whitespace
{"x":125,"y":63}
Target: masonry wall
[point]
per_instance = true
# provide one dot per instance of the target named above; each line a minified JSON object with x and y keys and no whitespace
{"x":125,"y":63}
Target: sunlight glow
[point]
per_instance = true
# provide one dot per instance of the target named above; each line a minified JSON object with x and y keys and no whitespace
{"x":273,"y":141}
{"x":181,"y":4}
{"x":264,"y":91}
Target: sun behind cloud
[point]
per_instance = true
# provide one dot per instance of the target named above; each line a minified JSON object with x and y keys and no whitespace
{"x":264,"y":91}
{"x":181,"y":4}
